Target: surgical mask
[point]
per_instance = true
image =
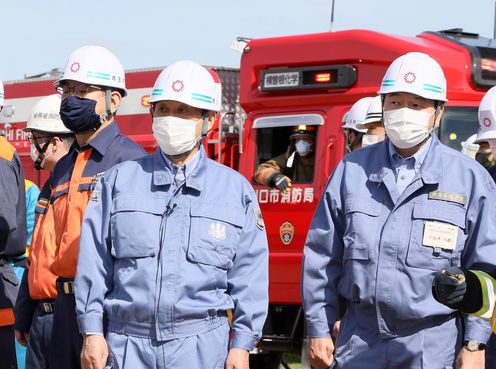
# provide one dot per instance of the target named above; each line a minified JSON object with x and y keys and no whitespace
{"x":34,"y":153}
{"x":406,"y":127}
{"x":175,"y":136}
{"x":78,"y":114}
{"x":368,"y":140}
{"x":303,"y":147}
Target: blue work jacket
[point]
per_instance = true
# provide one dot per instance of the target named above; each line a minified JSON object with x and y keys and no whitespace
{"x":380,"y":249}
{"x":164,"y":260}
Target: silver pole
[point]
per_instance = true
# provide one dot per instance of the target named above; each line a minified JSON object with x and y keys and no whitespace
{"x":494,"y":24}
{"x":332,"y":14}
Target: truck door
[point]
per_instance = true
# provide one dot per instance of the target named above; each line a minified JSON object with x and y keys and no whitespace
{"x":287,"y":215}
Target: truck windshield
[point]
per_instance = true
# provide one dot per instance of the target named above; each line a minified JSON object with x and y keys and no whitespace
{"x":458,"y":124}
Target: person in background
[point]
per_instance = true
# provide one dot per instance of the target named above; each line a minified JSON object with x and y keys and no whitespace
{"x":12,"y":242}
{"x":32,"y":193}
{"x":469,"y":147}
{"x":356,"y":115}
{"x":486,"y":137}
{"x":373,"y":123}
{"x":50,"y":141}
{"x":296,"y":165}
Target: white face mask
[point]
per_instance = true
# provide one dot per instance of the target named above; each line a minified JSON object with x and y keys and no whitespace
{"x":406,"y":127}
{"x":34,"y":153}
{"x":368,"y":140}
{"x":175,"y":136}
{"x":303,"y":147}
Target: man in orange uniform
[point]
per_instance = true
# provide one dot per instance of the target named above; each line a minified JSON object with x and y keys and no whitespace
{"x":92,"y":87}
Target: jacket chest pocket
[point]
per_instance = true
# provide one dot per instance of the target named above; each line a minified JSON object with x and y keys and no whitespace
{"x":214,"y":234}
{"x":362,"y":217}
{"x":135,"y":224}
{"x":437,"y":235}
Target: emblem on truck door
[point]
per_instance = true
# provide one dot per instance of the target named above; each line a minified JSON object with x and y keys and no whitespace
{"x":286,"y":231}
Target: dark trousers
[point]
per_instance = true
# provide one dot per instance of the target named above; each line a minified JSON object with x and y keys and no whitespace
{"x":67,"y":342}
{"x":40,"y":335}
{"x":8,"y":358}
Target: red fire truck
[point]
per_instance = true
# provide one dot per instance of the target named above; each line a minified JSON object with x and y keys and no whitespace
{"x":283,"y":82}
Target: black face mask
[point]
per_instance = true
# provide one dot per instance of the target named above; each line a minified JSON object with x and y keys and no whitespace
{"x":485,"y":159}
{"x":78,"y":114}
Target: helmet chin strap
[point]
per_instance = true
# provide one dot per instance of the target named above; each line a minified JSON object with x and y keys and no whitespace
{"x":108,"y":108}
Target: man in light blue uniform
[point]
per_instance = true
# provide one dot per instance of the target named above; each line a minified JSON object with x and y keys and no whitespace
{"x":170,"y":243}
{"x":393,"y":214}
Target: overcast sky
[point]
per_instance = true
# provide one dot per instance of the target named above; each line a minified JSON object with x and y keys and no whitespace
{"x":39,"y":35}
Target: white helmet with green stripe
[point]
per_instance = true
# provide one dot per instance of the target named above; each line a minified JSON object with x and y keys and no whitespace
{"x":416,"y":73}
{"x":1,"y":93}
{"x":190,"y":83}
{"x":357,"y":114}
{"x":95,"y":65}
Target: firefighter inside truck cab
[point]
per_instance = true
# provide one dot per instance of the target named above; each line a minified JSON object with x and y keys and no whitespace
{"x":295,"y":165}
{"x":352,"y":133}
{"x":373,"y":123}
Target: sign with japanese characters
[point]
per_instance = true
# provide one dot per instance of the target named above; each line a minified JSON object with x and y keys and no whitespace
{"x":294,"y":196}
{"x":281,"y":79}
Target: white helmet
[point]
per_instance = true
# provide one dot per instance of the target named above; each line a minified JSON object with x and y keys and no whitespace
{"x":374,"y":113}
{"x":1,"y":93}
{"x":190,"y":83}
{"x":357,"y":114}
{"x":487,"y":116}
{"x":469,"y":147}
{"x":416,"y":73}
{"x":95,"y":65}
{"x":45,"y":116}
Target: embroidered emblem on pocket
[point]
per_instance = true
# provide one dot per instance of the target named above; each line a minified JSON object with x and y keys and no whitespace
{"x":217,"y":231}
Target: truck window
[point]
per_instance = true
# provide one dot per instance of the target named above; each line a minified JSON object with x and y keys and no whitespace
{"x":274,"y":143}
{"x":458,"y":123}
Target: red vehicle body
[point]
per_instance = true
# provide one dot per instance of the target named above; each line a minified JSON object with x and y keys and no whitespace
{"x":314,"y":79}
{"x":285,"y":81}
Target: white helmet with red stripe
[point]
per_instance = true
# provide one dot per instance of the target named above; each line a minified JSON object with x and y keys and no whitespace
{"x":95,"y":65}
{"x":487,"y":116}
{"x":190,"y":83}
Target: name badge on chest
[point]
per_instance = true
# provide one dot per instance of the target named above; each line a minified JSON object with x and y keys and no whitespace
{"x":440,"y":235}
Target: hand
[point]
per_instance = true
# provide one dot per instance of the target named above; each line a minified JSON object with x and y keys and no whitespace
{"x":22,"y":337}
{"x":95,"y":352}
{"x":449,"y":287}
{"x":470,"y":359}
{"x":321,"y":352}
{"x":335,"y":328}
{"x":238,"y":359}
{"x":280,"y":181}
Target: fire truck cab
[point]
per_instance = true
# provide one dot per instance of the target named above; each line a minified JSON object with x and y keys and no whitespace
{"x":313,"y":80}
